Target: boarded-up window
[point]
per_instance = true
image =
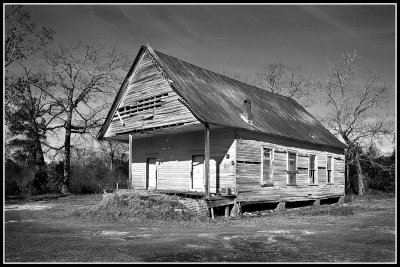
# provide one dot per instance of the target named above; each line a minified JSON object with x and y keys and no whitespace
{"x":312,"y":169}
{"x":267,"y":166}
{"x":329,"y":169}
{"x":292,"y":168}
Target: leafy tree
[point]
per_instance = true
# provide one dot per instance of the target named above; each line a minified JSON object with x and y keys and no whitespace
{"x":56,"y":175}
{"x":25,"y":105}
{"x":25,"y":112}
{"x":28,"y":115}
{"x":91,"y":172}
{"x":113,"y":151}
{"x":20,"y":179}
{"x":11,"y":170}
{"x":379,"y":169}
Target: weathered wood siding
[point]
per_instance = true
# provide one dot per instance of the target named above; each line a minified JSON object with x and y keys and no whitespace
{"x":148,"y":82}
{"x":174,"y":159}
{"x":249,"y":172}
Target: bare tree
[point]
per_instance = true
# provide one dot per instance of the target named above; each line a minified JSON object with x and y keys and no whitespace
{"x":285,"y":80}
{"x":83,"y":77}
{"x":23,"y":38}
{"x":355,"y":106}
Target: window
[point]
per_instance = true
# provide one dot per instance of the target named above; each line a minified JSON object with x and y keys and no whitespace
{"x":267,"y":167}
{"x":292,"y":168}
{"x":329,"y":169}
{"x":312,"y":177}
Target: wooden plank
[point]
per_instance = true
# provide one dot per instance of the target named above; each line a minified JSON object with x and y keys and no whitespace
{"x":117,"y":101}
{"x":221,"y":202}
{"x":248,"y":181}
{"x":146,"y":83}
{"x":286,"y":144}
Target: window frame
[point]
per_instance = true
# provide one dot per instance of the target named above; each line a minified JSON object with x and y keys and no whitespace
{"x":315,"y":170}
{"x":329,"y":181}
{"x":287,"y":168}
{"x":272,"y":159}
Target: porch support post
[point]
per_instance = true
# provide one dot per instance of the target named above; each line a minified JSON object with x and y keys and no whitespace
{"x":130,"y":161}
{"x":207,"y":160}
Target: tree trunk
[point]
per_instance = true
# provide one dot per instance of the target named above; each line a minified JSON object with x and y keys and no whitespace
{"x":39,"y":153}
{"x":355,"y":153}
{"x":361,"y":190}
{"x":39,"y":157}
{"x":41,"y":176}
{"x":40,"y":164}
{"x":67,"y":157}
{"x":112,"y":160}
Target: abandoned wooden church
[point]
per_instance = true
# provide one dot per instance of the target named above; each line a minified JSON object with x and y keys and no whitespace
{"x":193,"y":131}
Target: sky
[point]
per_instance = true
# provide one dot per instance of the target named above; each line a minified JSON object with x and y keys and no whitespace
{"x":237,"y":37}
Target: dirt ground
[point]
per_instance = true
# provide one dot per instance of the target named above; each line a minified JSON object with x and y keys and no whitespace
{"x":47,"y":231}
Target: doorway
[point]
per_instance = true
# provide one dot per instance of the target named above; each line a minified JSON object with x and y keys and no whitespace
{"x":151,"y":173}
{"x":198,"y":172}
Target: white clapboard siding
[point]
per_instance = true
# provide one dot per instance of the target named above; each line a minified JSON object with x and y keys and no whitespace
{"x":174,"y":159}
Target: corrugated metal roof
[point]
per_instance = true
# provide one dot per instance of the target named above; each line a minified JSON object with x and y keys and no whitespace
{"x":219,"y":100}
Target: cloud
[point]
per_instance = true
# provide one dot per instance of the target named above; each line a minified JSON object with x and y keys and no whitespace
{"x":328,"y":19}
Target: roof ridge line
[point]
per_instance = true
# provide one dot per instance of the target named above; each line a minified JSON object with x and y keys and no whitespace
{"x":247,"y":84}
{"x":170,"y":81}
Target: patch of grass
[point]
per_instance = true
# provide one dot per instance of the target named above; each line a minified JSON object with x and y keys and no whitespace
{"x":333,"y":210}
{"x":138,"y":205}
{"x":371,"y":203}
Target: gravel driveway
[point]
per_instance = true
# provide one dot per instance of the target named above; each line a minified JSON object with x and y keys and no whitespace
{"x":47,"y":231}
